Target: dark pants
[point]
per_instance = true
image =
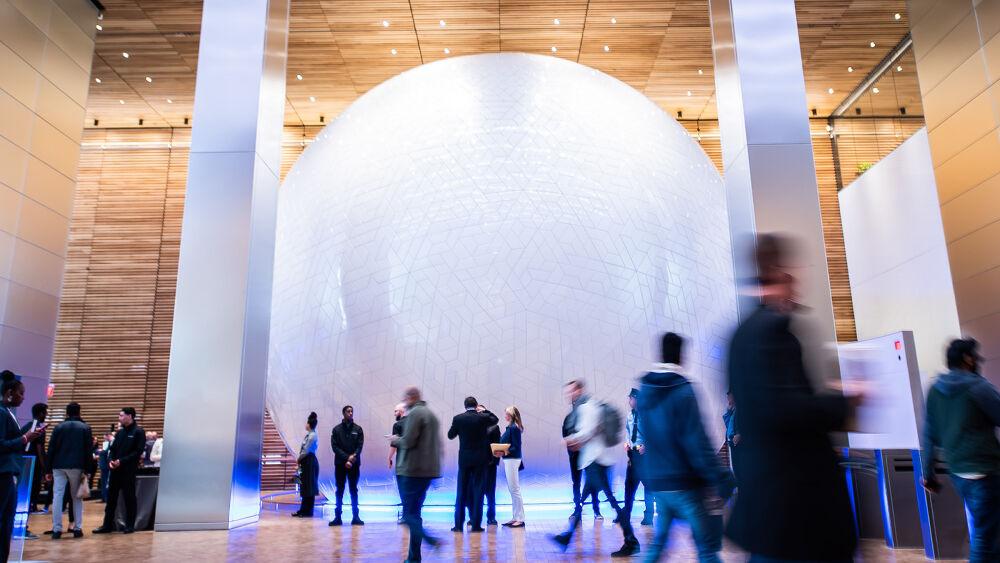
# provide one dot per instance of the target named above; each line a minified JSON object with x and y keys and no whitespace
{"x":413,"y":491}
{"x":37,"y":477}
{"x":631,"y":487}
{"x":105,"y":472}
{"x":307,"y":506}
{"x":8,"y":506}
{"x":469,"y":495}
{"x":982,"y":499}
{"x":351,"y":475}
{"x":122,"y":482}
{"x":577,"y":475}
{"x":595,"y":481}
{"x":490,"y":490}
{"x":735,"y":457}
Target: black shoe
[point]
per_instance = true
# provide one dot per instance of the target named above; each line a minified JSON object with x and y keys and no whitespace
{"x":400,"y":522}
{"x":521,"y":525}
{"x":627,"y":550}
{"x":477,"y":529}
{"x":47,"y":533}
{"x":128,"y":531}
{"x":646,"y":522}
{"x":491,"y":523}
{"x":336,"y":522}
{"x":617,"y":520}
{"x":457,"y":529}
{"x":102,"y":530}
{"x":56,"y":535}
{"x":562,"y":540}
{"x":357,"y":521}
{"x":296,"y":514}
{"x":77,"y":533}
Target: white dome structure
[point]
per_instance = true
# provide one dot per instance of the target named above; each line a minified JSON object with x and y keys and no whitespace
{"x":493,"y":225}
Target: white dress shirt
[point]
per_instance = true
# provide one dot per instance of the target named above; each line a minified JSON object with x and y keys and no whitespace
{"x":593,"y":448}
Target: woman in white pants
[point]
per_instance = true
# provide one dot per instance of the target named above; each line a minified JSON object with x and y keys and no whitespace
{"x":512,"y":464}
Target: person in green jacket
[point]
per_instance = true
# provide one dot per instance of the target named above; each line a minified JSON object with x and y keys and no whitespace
{"x":963,"y":412}
{"x":419,"y":463}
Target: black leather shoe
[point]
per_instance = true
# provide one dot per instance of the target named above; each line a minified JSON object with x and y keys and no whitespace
{"x":457,"y":529}
{"x":56,"y":535}
{"x":102,"y":530}
{"x":477,"y":529}
{"x":562,"y":540}
{"x":336,"y":522}
{"x":357,"y":522}
{"x":627,"y":550}
{"x":128,"y":531}
{"x":646,"y":522}
{"x":77,"y":533}
{"x":491,"y":523}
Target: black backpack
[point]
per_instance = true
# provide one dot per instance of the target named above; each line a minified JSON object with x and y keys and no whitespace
{"x":611,"y":425}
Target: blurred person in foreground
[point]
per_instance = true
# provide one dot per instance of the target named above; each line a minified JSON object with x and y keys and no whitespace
{"x":13,"y":440}
{"x":679,"y":467}
{"x":419,"y":463}
{"x":963,"y":413}
{"x":793,"y":503}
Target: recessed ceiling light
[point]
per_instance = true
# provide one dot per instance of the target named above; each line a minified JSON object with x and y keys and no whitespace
{"x":393,"y":51}
{"x":442,"y":23}
{"x":700,"y":71}
{"x":554,"y":49}
{"x":607,"y":48}
{"x":555,"y":21}
{"x":100,"y":16}
{"x":298,"y":77}
{"x":899,"y":69}
{"x":312,"y":98}
{"x":689,"y":92}
{"x":872,"y":44}
{"x":614,"y":20}
{"x":169,"y":101}
{"x":897,"y":16}
{"x":97,"y":80}
{"x":125,"y":55}
{"x":122,"y":102}
{"x":875,"y":90}
{"x":829,"y":90}
{"x":850,"y":69}
{"x":385,"y":23}
{"x":829,"y":128}
{"x":447,"y":51}
{"x":99,"y":27}
{"x":149,"y":79}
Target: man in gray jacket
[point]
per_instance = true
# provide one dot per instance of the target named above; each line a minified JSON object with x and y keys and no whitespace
{"x":419,"y":462}
{"x":69,"y":452}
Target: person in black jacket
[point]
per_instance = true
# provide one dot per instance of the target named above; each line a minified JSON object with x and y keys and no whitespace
{"x":793,"y":501}
{"x":39,"y":412}
{"x":490,"y":478}
{"x":474,"y":456}
{"x":12,"y":443}
{"x":347,"y":439}
{"x":69,"y":456}
{"x":123,"y":461}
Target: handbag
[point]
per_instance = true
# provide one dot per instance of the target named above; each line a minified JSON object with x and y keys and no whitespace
{"x":83,"y":491}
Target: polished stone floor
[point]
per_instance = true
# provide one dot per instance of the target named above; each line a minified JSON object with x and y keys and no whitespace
{"x":278,"y":537}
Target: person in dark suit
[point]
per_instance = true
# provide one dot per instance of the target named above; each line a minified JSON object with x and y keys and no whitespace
{"x":12,"y":444}
{"x":39,"y":412}
{"x":793,"y":500}
{"x":474,"y":455}
{"x":124,"y":458}
{"x":490,"y":478}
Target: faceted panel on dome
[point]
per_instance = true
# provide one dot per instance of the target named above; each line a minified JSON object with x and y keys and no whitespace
{"x":494,"y":225}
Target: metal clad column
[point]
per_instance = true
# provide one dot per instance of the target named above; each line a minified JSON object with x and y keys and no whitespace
{"x":210,"y":475}
{"x":767,"y":153}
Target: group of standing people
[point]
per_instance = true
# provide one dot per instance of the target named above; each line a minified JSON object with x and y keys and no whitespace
{"x":347,"y":439}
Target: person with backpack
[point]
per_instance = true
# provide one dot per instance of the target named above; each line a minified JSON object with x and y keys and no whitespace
{"x":963,"y":413}
{"x":679,"y":467}
{"x":599,"y":428}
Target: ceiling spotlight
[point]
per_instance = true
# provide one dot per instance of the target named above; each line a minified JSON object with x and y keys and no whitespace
{"x":169,"y":101}
{"x":850,"y":69}
{"x":689,"y":92}
{"x":897,"y":16}
{"x":393,"y":51}
{"x":441,"y":23}
{"x":554,"y":49}
{"x":312,"y":98}
{"x":149,"y":79}
{"x":298,"y":77}
{"x":899,"y":69}
{"x":447,"y":51}
{"x":875,"y":90}
{"x":385,"y":23}
{"x":99,"y":27}
{"x":829,"y":128}
{"x":125,"y":55}
{"x":122,"y":102}
{"x":614,"y":20}
{"x":97,"y":80}
{"x":700,"y":71}
{"x":607,"y":48}
{"x":100,"y":16}
{"x":555,"y":21}
{"x":829,"y":90}
{"x":872,"y":44}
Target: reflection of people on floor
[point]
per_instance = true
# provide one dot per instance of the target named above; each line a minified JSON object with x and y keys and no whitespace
{"x":347,"y":440}
{"x":513,"y":464}
{"x":418,"y":463}
{"x":308,"y":469}
{"x":12,"y":443}
{"x":474,"y":455}
{"x":397,"y":430}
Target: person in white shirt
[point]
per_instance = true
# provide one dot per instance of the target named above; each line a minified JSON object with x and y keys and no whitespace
{"x":596,"y":458}
{"x":156,"y":454}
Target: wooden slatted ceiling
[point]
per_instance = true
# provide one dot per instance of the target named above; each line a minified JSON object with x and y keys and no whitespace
{"x":342,"y":50}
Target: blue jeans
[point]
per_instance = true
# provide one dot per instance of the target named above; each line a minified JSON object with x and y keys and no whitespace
{"x":414,"y":491}
{"x":982,"y":500}
{"x":596,"y":478}
{"x":690,"y":506}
